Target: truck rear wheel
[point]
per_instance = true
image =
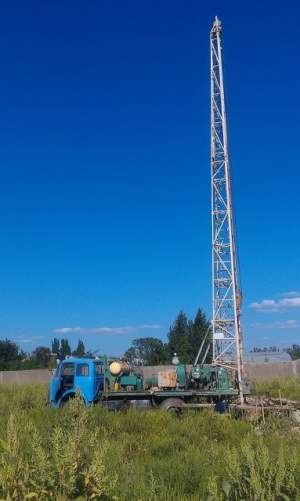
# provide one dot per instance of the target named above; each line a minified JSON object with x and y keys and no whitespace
{"x":172,"y":405}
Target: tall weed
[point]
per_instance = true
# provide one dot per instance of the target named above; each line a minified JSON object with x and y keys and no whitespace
{"x":251,"y":473}
{"x":76,"y":453}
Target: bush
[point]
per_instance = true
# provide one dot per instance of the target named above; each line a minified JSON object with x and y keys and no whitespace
{"x":253,"y":474}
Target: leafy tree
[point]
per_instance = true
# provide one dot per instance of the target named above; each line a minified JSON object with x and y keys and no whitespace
{"x":9,"y":351}
{"x":184,"y":338}
{"x":80,"y":350}
{"x":42,"y":355}
{"x":10,"y":355}
{"x":61,"y":348}
{"x":199,"y":328}
{"x":55,"y":346}
{"x":132,"y":356}
{"x":90,"y":354}
{"x":147,"y":351}
{"x":65,"y":348}
{"x":178,"y":336}
{"x":294,"y":351}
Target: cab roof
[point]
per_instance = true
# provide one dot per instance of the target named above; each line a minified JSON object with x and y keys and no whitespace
{"x":79,"y":360}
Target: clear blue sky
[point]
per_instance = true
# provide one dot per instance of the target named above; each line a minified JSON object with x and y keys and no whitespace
{"x":105,"y":174}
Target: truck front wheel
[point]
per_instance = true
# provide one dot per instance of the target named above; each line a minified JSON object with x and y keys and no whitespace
{"x":172,"y":405}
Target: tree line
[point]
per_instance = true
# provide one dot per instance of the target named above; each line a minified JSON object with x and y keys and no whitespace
{"x":269,"y":349}
{"x":293,"y":351}
{"x":183,"y":338}
{"x":13,"y":358}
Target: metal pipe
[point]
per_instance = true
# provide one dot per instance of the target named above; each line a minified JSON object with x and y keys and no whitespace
{"x":201,"y":346}
{"x":205,"y":354}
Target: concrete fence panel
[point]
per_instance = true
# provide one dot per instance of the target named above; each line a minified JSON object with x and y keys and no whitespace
{"x":25,"y":377}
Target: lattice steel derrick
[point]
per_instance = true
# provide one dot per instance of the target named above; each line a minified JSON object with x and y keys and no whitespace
{"x":227,"y":336}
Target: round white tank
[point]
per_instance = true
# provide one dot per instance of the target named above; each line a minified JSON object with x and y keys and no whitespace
{"x":115,"y":368}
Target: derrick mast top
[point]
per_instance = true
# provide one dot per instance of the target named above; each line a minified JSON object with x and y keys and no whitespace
{"x":226,"y":326}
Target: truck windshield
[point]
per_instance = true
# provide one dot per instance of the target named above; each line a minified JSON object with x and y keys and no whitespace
{"x":68,"y":369}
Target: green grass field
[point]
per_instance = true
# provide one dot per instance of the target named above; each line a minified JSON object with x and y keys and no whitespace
{"x":78,"y":453}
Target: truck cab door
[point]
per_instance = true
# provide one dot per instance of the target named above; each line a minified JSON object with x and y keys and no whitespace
{"x":99,"y":377}
{"x":55,"y":385}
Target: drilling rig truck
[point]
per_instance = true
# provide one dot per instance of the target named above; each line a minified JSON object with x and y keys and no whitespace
{"x":106,"y":382}
{"x":114,"y":384}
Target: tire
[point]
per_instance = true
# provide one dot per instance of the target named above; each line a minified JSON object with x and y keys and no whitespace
{"x":172,"y":405}
{"x":69,"y":398}
{"x":66,"y":401}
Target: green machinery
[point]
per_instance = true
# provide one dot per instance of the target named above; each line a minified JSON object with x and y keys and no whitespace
{"x":119,"y":376}
{"x":201,"y":378}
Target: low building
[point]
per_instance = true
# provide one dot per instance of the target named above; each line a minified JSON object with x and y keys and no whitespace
{"x":259,"y":357}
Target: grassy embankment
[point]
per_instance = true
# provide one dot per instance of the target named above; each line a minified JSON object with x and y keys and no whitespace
{"x":78,"y":453}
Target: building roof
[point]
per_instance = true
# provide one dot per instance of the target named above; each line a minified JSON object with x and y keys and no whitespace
{"x":266,"y":356}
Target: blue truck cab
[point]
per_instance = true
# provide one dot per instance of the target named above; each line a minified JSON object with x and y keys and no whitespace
{"x":86,"y":375}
